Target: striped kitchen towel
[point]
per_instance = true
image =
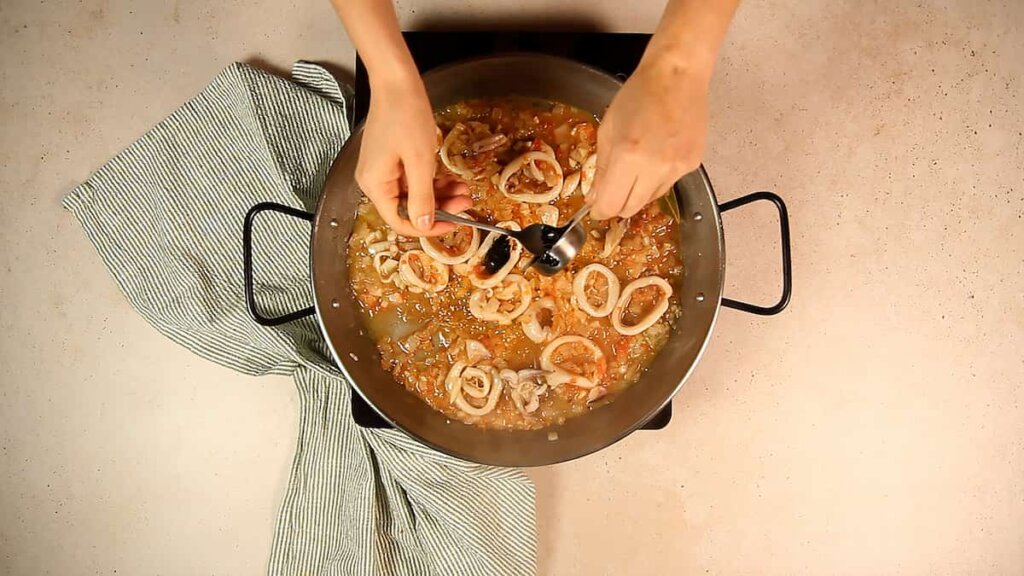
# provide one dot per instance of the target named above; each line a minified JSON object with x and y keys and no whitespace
{"x":166,"y":217}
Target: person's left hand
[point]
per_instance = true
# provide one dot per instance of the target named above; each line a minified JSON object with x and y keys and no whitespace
{"x":651,"y":135}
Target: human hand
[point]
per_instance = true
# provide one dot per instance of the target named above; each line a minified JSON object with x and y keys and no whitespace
{"x":652,"y":134}
{"x":397,"y":157}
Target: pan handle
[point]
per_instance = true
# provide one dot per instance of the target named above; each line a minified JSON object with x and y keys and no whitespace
{"x":787,"y":261}
{"x":250,"y":292}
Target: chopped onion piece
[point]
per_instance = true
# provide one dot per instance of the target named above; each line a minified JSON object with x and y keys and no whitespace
{"x":616,"y":231}
{"x":587,"y":173}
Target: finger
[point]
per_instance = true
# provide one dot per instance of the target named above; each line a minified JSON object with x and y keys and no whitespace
{"x":612,"y":185}
{"x":419,"y":175}
{"x":455,"y":204}
{"x":448,"y":187}
{"x":643,"y":193}
{"x":387,"y":207}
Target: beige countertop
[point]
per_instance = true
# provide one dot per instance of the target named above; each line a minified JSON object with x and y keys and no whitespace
{"x":876,"y":427}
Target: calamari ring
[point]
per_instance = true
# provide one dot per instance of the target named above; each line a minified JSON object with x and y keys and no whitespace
{"x":485,"y":303}
{"x":438,"y":253}
{"x":534,"y":170}
{"x":470,"y":267}
{"x":558,"y":376}
{"x":457,"y":168}
{"x":652,"y":316}
{"x":579,"y":290}
{"x":462,"y":133}
{"x":458,"y":382}
{"x":521,"y":162}
{"x":411,"y":278}
{"x":587,"y":173}
{"x":531,"y":324}
{"x":386,"y":266}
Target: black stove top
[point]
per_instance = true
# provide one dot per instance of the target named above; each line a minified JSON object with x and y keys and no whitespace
{"x":615,"y":53}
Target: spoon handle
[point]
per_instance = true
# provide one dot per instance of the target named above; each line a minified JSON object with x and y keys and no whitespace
{"x":579,"y":215}
{"x":447,"y":217}
{"x":443,"y":216}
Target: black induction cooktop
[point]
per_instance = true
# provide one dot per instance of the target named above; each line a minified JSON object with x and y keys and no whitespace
{"x":615,"y":53}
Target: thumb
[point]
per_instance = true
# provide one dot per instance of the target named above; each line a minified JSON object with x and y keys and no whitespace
{"x":612,"y":184}
{"x":419,"y":175}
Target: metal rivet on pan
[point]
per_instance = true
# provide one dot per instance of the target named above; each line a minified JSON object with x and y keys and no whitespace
{"x":698,"y":216}
{"x":334,"y":223}
{"x":335,"y":303}
{"x":700,"y":296}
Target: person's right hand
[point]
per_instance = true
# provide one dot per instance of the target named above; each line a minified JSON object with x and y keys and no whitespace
{"x":398,"y":155}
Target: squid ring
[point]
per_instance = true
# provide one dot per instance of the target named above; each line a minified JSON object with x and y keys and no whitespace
{"x":470,"y":267}
{"x":558,"y":376}
{"x":460,"y":380}
{"x":485,"y":303}
{"x":579,"y":290}
{"x":438,"y":252}
{"x":531,"y":323}
{"x":518,"y":164}
{"x":458,"y":168}
{"x":385,"y":265}
{"x":652,"y":316}
{"x":409,"y":275}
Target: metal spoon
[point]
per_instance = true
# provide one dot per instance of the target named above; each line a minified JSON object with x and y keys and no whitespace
{"x":567,"y":244}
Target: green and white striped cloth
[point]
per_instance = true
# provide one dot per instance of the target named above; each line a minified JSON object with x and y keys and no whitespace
{"x":166,"y":217}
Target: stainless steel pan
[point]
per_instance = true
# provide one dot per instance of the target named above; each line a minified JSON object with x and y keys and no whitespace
{"x":700,"y":291}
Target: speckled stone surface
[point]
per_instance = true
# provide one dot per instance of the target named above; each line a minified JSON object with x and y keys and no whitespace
{"x":876,"y":427}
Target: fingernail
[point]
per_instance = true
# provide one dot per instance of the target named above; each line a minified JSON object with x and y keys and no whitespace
{"x":424,"y":222}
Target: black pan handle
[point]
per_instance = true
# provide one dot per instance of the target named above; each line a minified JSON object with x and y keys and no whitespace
{"x":787,"y":261}
{"x":250,"y":293}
